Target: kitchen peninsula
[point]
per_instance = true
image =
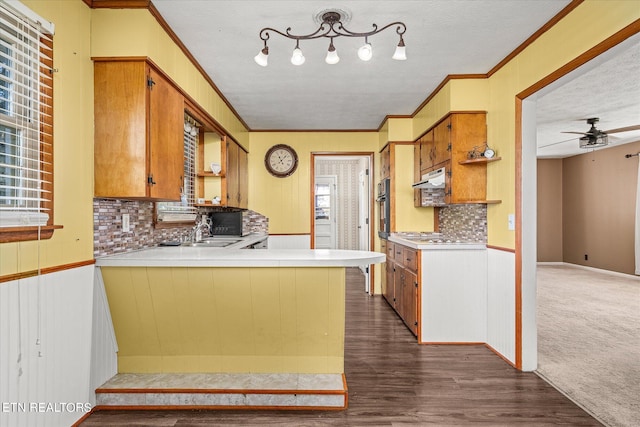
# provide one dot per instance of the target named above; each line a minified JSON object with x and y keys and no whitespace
{"x":210,"y":310}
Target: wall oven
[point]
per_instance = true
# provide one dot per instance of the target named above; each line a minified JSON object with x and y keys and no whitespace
{"x":384,"y":206}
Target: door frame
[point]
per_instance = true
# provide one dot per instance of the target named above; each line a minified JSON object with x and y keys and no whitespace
{"x":526,"y":334}
{"x":366,"y":154}
{"x":333,"y":208}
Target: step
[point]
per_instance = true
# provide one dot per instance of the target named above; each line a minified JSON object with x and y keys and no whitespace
{"x":223,"y":391}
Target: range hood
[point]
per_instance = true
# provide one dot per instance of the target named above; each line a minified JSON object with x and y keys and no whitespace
{"x":433,"y":179}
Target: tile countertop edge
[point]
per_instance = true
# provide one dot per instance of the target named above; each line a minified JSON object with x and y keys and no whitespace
{"x":215,"y":257}
{"x":438,"y":246}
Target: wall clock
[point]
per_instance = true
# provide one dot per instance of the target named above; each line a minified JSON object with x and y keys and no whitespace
{"x":281,"y":160}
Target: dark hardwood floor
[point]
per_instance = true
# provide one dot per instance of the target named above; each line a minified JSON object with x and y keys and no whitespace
{"x":393,"y":381}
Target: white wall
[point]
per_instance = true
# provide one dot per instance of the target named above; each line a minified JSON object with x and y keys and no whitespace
{"x":501,"y":297}
{"x":45,"y":348}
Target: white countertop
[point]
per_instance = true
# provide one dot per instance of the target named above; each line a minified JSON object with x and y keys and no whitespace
{"x":180,"y":256}
{"x":424,"y":246}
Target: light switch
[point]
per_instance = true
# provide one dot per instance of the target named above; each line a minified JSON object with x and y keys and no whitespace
{"x":512,"y":222}
{"x":125,"y":223}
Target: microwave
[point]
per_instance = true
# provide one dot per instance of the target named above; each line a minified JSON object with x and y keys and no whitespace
{"x":231,"y":223}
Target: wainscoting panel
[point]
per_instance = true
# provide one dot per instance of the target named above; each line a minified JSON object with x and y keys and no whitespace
{"x":45,"y":348}
{"x":104,"y":348}
{"x":501,"y":303}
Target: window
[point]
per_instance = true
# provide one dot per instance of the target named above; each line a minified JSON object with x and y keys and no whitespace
{"x":185,"y":210}
{"x":26,"y":121}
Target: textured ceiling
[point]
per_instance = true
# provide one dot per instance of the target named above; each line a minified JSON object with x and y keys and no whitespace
{"x":608,"y":88}
{"x":443,"y":37}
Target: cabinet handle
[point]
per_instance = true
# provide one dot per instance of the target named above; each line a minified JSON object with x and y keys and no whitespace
{"x":150,"y":180}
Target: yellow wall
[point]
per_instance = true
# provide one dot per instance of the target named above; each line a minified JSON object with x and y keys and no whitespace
{"x":400,"y":129}
{"x":561,"y":44}
{"x":286,"y":201}
{"x":228,"y":319}
{"x":73,"y":145}
{"x":135,"y":32}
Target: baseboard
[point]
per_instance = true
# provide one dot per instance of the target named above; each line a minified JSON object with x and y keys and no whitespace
{"x":597,"y":270}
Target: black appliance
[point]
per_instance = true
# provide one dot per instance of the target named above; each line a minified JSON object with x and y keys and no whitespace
{"x":384,"y":205}
{"x":227,"y":223}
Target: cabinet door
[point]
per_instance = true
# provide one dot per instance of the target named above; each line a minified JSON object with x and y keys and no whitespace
{"x":232,"y":176}
{"x":383,"y":278}
{"x":426,"y":152}
{"x":442,"y":142}
{"x":398,"y":280}
{"x":243,"y":179}
{"x":385,"y":162}
{"x":389,"y":291}
{"x":468,"y":181}
{"x":120,"y":140}
{"x":417,"y":193}
{"x":166,"y":139}
{"x":409,"y":304}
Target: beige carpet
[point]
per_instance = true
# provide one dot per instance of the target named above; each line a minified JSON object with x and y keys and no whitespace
{"x":589,"y":340}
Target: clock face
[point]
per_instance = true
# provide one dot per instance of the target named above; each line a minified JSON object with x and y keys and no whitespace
{"x":489,"y":153}
{"x":281,"y":160}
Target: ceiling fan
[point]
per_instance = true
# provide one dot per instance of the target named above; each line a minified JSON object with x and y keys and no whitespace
{"x":595,"y":137}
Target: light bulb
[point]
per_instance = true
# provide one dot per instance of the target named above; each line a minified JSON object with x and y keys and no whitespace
{"x":400,"y":54}
{"x":262,"y":57}
{"x":365,"y":52}
{"x":332,"y":55}
{"x":297,"y":58}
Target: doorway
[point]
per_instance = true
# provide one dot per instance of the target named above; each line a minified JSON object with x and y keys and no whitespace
{"x":342,"y":203}
{"x":526,"y":190}
{"x":325,"y":211}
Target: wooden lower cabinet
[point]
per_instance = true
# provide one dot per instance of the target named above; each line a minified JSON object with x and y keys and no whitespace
{"x":400,"y":283}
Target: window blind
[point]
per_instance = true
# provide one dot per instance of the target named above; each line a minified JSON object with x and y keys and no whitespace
{"x":184,"y":210}
{"x":26,"y":131}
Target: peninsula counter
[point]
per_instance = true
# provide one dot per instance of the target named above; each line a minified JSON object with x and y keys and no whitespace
{"x":211,"y":310}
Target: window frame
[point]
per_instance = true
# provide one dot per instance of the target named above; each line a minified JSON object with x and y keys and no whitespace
{"x":46,"y":138}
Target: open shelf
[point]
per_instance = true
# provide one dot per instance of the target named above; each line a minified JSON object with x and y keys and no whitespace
{"x":209,"y":173}
{"x":479,"y":160}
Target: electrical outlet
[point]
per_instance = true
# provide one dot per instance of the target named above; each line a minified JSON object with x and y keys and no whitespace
{"x":511,"y":222}
{"x":126,"y":226}
{"x":586,"y":257}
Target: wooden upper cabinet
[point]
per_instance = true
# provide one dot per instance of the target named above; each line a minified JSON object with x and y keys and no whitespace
{"x":447,"y":145}
{"x":385,"y":162}
{"x":426,"y":152}
{"x":442,"y":142}
{"x":468,"y":183}
{"x":236,"y":180}
{"x":138,"y":141}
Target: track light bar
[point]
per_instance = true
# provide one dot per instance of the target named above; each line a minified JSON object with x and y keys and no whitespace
{"x":331,"y":27}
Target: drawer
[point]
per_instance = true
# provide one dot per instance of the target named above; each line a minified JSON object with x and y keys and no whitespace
{"x":410,"y":259}
{"x":398,"y":254}
{"x":390,"y":251}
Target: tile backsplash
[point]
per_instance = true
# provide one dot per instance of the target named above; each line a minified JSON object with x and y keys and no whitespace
{"x":108,"y":237}
{"x":464,"y":222}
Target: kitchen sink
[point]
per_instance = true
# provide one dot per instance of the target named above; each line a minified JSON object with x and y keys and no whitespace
{"x":212,"y":243}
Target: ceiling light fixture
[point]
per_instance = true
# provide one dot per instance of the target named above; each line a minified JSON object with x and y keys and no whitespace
{"x":331,"y":26}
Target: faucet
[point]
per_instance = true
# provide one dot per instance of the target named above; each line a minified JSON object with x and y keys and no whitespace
{"x":196,"y":231}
